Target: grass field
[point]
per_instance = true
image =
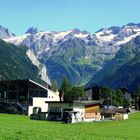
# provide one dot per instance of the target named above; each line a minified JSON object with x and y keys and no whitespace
{"x":15,"y":127}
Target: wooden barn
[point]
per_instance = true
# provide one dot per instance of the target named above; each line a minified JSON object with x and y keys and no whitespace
{"x":92,"y":111}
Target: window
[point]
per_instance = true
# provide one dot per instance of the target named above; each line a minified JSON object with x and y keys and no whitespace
{"x":5,"y":94}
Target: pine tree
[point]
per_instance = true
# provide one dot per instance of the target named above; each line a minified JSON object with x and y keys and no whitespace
{"x":54,"y":86}
{"x":70,"y":92}
{"x":65,"y":85}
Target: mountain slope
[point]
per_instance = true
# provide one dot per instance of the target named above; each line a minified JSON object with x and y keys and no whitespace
{"x":14,"y":63}
{"x":123,"y":69}
{"x":126,"y":76}
{"x":79,"y":55}
{"x":69,"y":59}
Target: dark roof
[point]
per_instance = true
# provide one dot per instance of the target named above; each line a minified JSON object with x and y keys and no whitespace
{"x":23,"y":80}
{"x":82,"y":102}
{"x":57,"y":102}
{"x":88,"y":102}
{"x":15,"y":80}
{"x":114,"y":111}
{"x":72,"y":111}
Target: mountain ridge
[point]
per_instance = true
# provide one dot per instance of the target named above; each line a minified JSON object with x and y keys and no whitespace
{"x":5,"y":33}
{"x":78,"y":54}
{"x":121,"y":68}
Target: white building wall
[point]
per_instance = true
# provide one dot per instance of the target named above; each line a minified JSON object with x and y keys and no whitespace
{"x":81,"y":110}
{"x":125,"y":116}
{"x":40,"y":101}
{"x":78,"y":107}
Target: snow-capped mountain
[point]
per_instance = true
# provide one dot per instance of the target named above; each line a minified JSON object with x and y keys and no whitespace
{"x":32,"y":30}
{"x":107,"y":37}
{"x":5,"y":33}
{"x":114,"y":36}
{"x":74,"y":53}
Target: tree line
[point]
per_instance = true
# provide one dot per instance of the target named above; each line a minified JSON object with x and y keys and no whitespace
{"x":68,"y":91}
{"x":108,"y":96}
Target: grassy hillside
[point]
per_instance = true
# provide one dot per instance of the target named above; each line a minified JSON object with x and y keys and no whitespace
{"x":16,"y":127}
{"x":14,"y":64}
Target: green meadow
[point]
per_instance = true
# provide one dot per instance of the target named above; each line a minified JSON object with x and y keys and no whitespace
{"x":16,"y":127}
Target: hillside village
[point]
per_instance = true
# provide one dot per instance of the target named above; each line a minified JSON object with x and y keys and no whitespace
{"x":97,"y":104}
{"x":75,"y":58}
{"x":47,"y":103}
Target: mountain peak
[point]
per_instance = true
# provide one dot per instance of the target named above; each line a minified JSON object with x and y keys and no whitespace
{"x":131,"y":24}
{"x":76,"y":31}
{"x":5,"y":33}
{"x":112,"y":29}
{"x":85,"y":32}
{"x":32,"y":30}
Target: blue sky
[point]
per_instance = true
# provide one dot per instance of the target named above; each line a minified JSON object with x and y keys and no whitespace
{"x":60,"y":15}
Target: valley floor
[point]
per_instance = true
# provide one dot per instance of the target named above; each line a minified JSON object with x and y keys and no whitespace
{"x":15,"y":127}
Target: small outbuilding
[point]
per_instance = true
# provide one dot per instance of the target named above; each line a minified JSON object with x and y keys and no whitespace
{"x":74,"y":111}
{"x":115,"y":114}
